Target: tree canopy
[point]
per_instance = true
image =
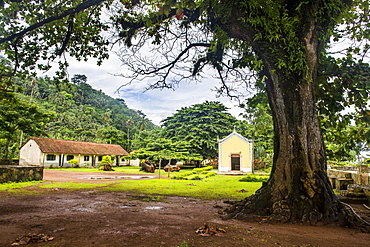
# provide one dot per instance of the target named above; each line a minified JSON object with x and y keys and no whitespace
{"x":20,"y":116}
{"x":69,"y":111}
{"x":281,"y":45}
{"x":200,"y":125}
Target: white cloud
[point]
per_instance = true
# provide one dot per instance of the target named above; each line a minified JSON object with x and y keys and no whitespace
{"x":156,"y":104}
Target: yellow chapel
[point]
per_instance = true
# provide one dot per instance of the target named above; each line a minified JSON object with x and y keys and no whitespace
{"x":235,"y":154}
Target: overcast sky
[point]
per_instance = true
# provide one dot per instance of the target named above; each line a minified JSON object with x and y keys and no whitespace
{"x":156,"y":104}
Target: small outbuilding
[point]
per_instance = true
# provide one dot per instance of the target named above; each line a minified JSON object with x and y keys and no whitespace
{"x":49,"y":152}
{"x":235,"y":154}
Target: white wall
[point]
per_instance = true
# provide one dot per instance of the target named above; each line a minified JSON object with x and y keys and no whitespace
{"x":30,"y":154}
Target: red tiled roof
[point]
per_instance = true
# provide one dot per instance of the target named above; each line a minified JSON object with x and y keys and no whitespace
{"x":48,"y":145}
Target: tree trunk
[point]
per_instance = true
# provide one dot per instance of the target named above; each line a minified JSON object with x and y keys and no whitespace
{"x":6,"y":151}
{"x":298,"y":189}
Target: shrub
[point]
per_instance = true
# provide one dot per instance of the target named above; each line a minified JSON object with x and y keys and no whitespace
{"x":210,"y":174}
{"x":199,"y":170}
{"x":254,"y":178}
{"x":74,"y":162}
{"x":106,"y":160}
{"x":195,"y":177}
{"x":183,"y":175}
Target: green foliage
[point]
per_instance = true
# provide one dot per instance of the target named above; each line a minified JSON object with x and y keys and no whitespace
{"x":333,"y":163}
{"x":20,"y":116}
{"x":13,"y":185}
{"x":164,"y":149}
{"x":196,"y":174}
{"x":194,"y":177}
{"x":203,"y":169}
{"x":208,"y":189}
{"x":282,"y":42}
{"x":74,"y":162}
{"x":200,"y":125}
{"x":106,"y":160}
{"x":74,"y":112}
{"x":64,"y":26}
{"x":183,"y":244}
{"x":254,"y":178}
{"x":258,"y":125}
{"x":153,"y":189}
{"x":83,"y":113}
{"x":343,"y":93}
{"x":183,"y":175}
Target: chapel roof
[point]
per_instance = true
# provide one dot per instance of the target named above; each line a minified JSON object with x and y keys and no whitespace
{"x":234,"y":133}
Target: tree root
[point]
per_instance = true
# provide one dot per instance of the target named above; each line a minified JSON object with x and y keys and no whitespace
{"x":357,"y":216}
{"x":255,"y":208}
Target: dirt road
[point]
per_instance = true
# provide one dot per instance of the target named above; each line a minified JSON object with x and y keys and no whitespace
{"x":95,"y":218}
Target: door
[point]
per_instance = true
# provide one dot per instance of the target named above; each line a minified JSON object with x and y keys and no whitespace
{"x":235,"y":162}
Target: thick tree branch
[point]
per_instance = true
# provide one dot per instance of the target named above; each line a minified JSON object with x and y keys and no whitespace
{"x":68,"y":36}
{"x":171,"y":64}
{"x":131,"y":27}
{"x":85,"y":5}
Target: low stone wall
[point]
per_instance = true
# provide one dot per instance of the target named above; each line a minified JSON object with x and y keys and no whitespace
{"x":20,"y":173}
{"x":340,"y":179}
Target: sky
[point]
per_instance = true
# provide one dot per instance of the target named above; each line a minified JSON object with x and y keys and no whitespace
{"x":156,"y":104}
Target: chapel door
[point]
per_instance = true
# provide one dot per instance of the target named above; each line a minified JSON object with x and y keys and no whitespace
{"x":235,"y":162}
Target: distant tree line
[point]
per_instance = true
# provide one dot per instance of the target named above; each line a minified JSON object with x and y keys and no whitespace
{"x":70,"y":111}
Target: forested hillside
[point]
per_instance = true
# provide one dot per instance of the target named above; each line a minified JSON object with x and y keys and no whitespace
{"x":73,"y":111}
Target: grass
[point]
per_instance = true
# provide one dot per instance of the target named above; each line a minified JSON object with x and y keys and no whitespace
{"x":13,"y":186}
{"x":213,"y":188}
{"x":19,"y":188}
{"x":216,"y":187}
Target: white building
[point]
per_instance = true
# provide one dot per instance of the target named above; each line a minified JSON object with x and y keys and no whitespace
{"x":49,"y":152}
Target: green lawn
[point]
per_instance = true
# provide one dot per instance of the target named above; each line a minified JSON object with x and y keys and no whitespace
{"x":12,"y":186}
{"x":212,"y":188}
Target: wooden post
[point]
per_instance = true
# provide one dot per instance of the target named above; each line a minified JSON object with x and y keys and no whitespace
{"x":159,"y":171}
{"x":169,"y":170}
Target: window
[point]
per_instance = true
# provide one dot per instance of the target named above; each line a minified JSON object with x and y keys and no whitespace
{"x":69,"y":157}
{"x":50,"y":157}
{"x":86,"y":158}
{"x":100,"y":158}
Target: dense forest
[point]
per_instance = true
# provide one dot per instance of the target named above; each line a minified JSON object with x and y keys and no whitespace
{"x":75,"y":111}
{"x":72,"y":111}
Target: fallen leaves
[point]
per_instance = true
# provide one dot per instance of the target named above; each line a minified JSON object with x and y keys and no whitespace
{"x":32,"y":238}
{"x":207,"y":231}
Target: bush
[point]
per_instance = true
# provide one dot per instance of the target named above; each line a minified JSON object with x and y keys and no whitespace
{"x":183,"y":175}
{"x":200,"y":170}
{"x":195,"y":177}
{"x":74,"y":162}
{"x":210,"y":174}
{"x":106,"y":160}
{"x":196,"y":174}
{"x":254,"y":178}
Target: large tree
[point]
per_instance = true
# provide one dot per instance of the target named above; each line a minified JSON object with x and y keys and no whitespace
{"x":18,"y":117}
{"x":283,"y":42}
{"x":200,"y":125}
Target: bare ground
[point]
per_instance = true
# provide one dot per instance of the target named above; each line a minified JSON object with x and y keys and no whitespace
{"x":93,"y":218}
